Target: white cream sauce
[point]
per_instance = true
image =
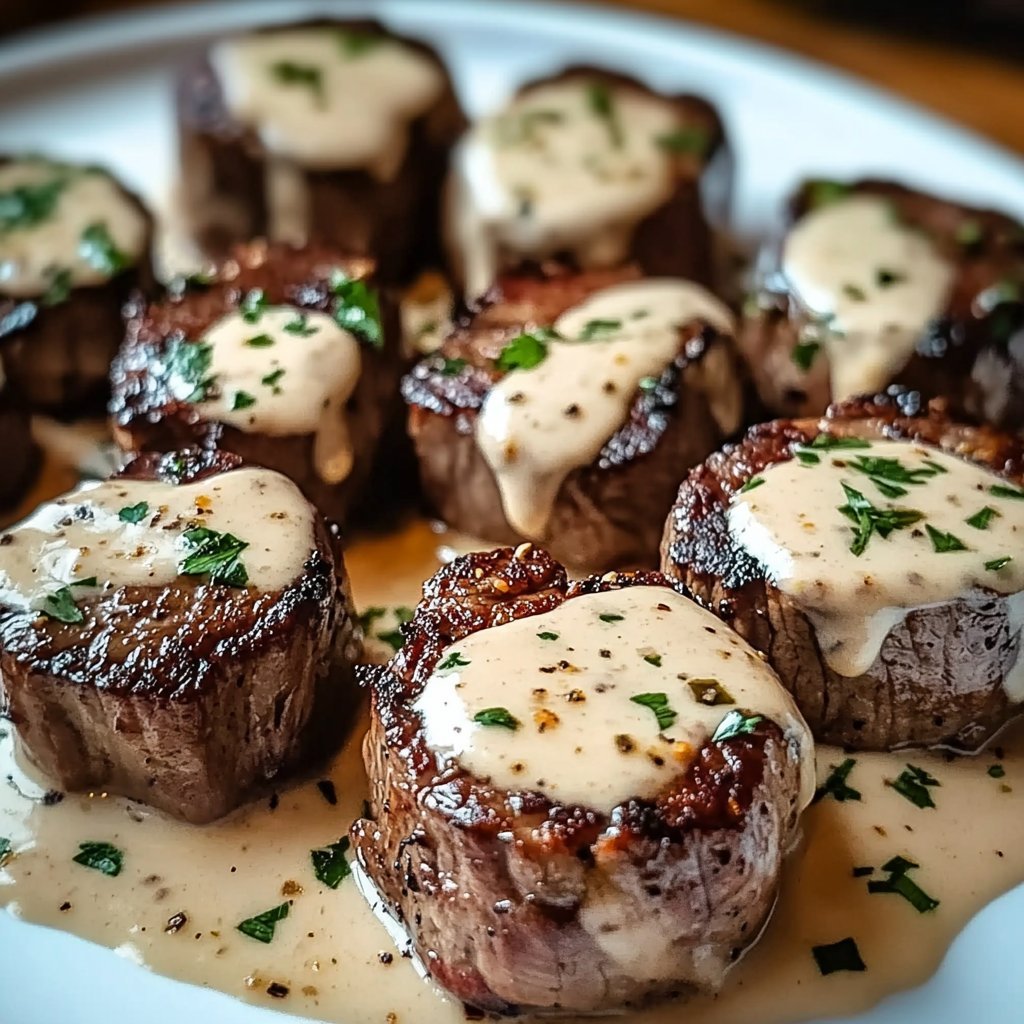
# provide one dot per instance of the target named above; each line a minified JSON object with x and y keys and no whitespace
{"x":84,"y":534}
{"x":873,"y":283}
{"x":327,"y":98}
{"x":537,"y":425}
{"x":792,"y":525}
{"x":285,"y":371}
{"x":55,"y":247}
{"x":551,"y":173}
{"x":566,"y":681}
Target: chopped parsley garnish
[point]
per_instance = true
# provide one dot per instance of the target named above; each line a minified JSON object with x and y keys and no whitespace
{"x":754,"y":481}
{"x":886,"y":278}
{"x":357,"y":308}
{"x":1001,"y":491}
{"x":855,"y":292}
{"x":598,"y":328}
{"x":803,"y":352}
{"x":497,"y":716}
{"x":806,"y":457}
{"x":329,"y":863}
{"x":835,"y":785}
{"x":983,"y":517}
{"x":611,"y":617}
{"x":684,"y":140}
{"x":827,"y":443}
{"x":862,"y":872}
{"x":899,"y":882}
{"x":300,"y":326}
{"x":868,"y":519}
{"x":515,"y":129}
{"x":189,"y":362}
{"x":888,"y":474}
{"x":452,"y":367}
{"x":242,"y":400}
{"x":100,"y":857}
{"x":60,"y":605}
{"x":370,"y":616}
{"x":969,"y":232}
{"x":253,"y":305}
{"x":996,"y":771}
{"x":261,"y":927}
{"x":134,"y":513}
{"x":653,"y":659}
{"x":658,"y":703}
{"x":25,"y":206}
{"x":97,"y":248}
{"x":88,"y":581}
{"x":5,"y":850}
{"x":260,"y":341}
{"x":913,"y":783}
{"x":735,"y":723}
{"x":838,"y":956}
{"x":998,"y":563}
{"x":356,"y":43}
{"x":271,"y":379}
{"x":290,"y":72}
{"x":824,"y":192}
{"x":547,"y":635}
{"x":59,"y":287}
{"x":454,"y":660}
{"x":602,"y":105}
{"x":526,"y":350}
{"x":710,"y":692}
{"x":395,"y":638}
{"x":943,"y":542}
{"x":216,"y":554}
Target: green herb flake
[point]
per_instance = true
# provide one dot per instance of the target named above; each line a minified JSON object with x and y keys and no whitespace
{"x":100,"y":857}
{"x":653,"y":659}
{"x":357,"y":308}
{"x":803,"y":354}
{"x":735,"y":723}
{"x":828,"y":443}
{"x":913,"y":784}
{"x":889,"y":474}
{"x":260,"y":341}
{"x":189,"y":362}
{"x":754,"y":481}
{"x":825,"y":192}
{"x":526,"y":350}
{"x":262,"y":926}
{"x":88,"y":581}
{"x":886,"y":278}
{"x":969,"y":233}
{"x":369,"y":617}
{"x":710,"y":692}
{"x":59,"y":288}
{"x":599,"y":328}
{"x":272,"y":379}
{"x":330,"y":864}
{"x":611,"y":617}
{"x":658,"y":703}
{"x":215,"y":554}
{"x":869,"y":520}
{"x":807,"y":458}
{"x":253,"y":305}
{"x":60,"y":605}
{"x":300,"y":326}
{"x":97,"y":248}
{"x":134,"y":513}
{"x":309,"y":76}
{"x":602,"y":105}
{"x":501,"y":717}
{"x":900,"y":883}
{"x":944,"y":542}
{"x":996,"y":771}
{"x":25,"y":206}
{"x":454,"y":660}
{"x":684,"y":140}
{"x":547,"y":635}
{"x":357,"y":43}
{"x":242,"y":400}
{"x":5,"y":850}
{"x":983,"y":517}
{"x":838,"y":956}
{"x":855,"y":292}
{"x":451,"y":367}
{"x":836,"y":786}
{"x":995,"y":564}
{"x":1001,"y":491}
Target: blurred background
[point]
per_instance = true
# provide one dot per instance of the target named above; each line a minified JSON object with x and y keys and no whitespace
{"x":962,"y":58}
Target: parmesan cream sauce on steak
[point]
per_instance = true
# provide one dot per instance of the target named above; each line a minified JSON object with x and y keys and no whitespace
{"x":123,"y":533}
{"x":64,"y":227}
{"x":291,"y":371}
{"x":569,"y":166}
{"x":605,"y":698}
{"x":538,"y":424}
{"x":871,"y":283}
{"x":943,"y":527}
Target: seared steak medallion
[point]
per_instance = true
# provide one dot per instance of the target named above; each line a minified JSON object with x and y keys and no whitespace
{"x":874,"y":556}
{"x":874,"y":283}
{"x":581,"y":794}
{"x":21,"y":454}
{"x":74,"y":243}
{"x":289,"y":357}
{"x":568,"y":407}
{"x":176,"y":635}
{"x":336,"y":131}
{"x":593,"y":167}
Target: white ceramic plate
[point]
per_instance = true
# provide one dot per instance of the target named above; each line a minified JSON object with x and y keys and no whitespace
{"x":102,"y":91}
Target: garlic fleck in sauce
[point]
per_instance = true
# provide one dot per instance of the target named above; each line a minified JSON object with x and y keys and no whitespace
{"x":63,"y":227}
{"x":538,"y":424}
{"x":872,"y":283}
{"x":568,"y":678}
{"x":286,"y":371}
{"x":85,"y":535}
{"x":967,"y":537}
{"x":328,"y":98}
{"x":570,"y":166}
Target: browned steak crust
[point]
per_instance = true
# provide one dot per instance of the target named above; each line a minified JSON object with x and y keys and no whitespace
{"x":189,"y":696}
{"x":490,"y":883}
{"x":608,"y":514}
{"x":939,"y":676}
{"x":397,"y":222}
{"x":146,"y":416}
{"x":966,"y":355}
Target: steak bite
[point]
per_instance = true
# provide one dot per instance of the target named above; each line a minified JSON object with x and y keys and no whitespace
{"x":21,"y":454}
{"x":592,"y":167}
{"x":567,"y":408}
{"x":581,"y":794}
{"x":289,"y":357}
{"x":874,"y":556}
{"x":176,"y":635}
{"x":335,"y":131}
{"x":874,"y":283}
{"x":74,"y":243}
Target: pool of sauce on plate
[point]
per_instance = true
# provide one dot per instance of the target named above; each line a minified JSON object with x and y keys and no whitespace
{"x":183,"y":889}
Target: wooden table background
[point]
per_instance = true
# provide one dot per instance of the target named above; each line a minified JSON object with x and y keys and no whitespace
{"x":980,"y":90}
